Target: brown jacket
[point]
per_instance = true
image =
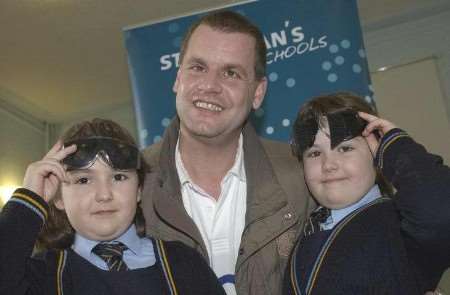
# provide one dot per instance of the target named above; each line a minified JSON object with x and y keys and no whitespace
{"x":277,"y":203}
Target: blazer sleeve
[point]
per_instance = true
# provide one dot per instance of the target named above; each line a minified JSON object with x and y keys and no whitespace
{"x":20,"y":222}
{"x":192,"y":274}
{"x":422,"y":183}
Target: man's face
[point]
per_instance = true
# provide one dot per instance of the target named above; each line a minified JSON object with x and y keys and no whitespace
{"x":215,"y":85}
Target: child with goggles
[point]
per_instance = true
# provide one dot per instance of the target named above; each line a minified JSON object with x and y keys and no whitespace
{"x":80,"y":204}
{"x":363,"y":238}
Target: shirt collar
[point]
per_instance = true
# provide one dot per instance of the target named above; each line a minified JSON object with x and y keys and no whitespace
{"x":238,"y":168}
{"x":338,"y":214}
{"x":84,"y":246}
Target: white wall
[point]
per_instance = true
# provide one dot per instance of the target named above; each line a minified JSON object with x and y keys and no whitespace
{"x":412,"y":41}
{"x":410,"y":96}
{"x":22,"y":142}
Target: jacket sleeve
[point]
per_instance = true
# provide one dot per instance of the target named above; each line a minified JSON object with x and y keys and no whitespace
{"x":20,"y":222}
{"x":422,"y":184}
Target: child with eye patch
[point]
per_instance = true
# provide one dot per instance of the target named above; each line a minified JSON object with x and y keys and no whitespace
{"x":367,"y":236}
{"x":79,"y":206}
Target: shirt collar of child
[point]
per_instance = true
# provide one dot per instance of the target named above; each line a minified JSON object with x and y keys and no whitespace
{"x":84,"y":246}
{"x":339,"y":214}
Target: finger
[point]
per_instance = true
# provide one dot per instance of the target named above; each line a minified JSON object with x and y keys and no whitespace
{"x":37,"y":175}
{"x":384,"y":126}
{"x":372,"y":126}
{"x":65,"y":151}
{"x":50,"y":166}
{"x":370,"y":119}
{"x":62,"y":153}
{"x":373,"y":143}
{"x":367,"y":117}
{"x":56,"y":147}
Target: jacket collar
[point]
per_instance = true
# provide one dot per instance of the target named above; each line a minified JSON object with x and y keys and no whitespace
{"x":265,"y":197}
{"x":264,"y":193}
{"x":169,"y":205}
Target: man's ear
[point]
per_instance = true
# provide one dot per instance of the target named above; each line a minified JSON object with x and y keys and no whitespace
{"x":139,"y":194}
{"x":175,"y":84}
{"x":260,"y":92}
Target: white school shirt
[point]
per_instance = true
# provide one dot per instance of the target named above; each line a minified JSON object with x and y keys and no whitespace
{"x":220,"y":222}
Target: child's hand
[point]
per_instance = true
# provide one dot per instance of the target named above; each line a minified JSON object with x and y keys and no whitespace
{"x":43,"y":177}
{"x":374,"y":126}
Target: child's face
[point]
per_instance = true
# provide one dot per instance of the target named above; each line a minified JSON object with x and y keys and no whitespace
{"x":340,"y":177}
{"x":100,"y":202}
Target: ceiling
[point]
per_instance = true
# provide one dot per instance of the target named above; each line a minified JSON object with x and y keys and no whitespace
{"x":62,"y":59}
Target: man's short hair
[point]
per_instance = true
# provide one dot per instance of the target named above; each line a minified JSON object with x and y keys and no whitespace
{"x":231,"y":22}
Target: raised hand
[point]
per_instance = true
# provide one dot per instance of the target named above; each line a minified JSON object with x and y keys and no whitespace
{"x":374,"y":126}
{"x":43,"y":177}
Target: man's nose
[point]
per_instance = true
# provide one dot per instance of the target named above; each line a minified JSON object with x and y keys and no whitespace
{"x":211,"y":81}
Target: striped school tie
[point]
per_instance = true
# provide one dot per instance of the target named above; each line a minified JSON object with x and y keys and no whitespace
{"x":312,"y":225}
{"x":112,"y":254}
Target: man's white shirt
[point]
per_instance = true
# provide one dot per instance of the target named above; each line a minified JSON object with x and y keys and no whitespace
{"x":220,"y":222}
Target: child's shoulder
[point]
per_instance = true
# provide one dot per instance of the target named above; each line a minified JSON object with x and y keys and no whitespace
{"x":174,"y":247}
{"x":379,"y":216}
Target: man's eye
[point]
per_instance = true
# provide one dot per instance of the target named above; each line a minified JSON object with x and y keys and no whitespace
{"x":197,"y":68}
{"x":82,"y":180}
{"x":231,"y":74}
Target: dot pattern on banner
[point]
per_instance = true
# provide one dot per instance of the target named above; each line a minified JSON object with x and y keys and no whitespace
{"x":157,"y":138}
{"x":339,"y":60}
{"x":345,"y":44}
{"x":356,"y":68}
{"x":165,"y":122}
{"x":176,"y":42}
{"x":326,"y":66}
{"x":333,"y":48}
{"x":362,"y":53}
{"x":270,"y":130}
{"x":273,"y":77}
{"x":332,"y":78}
{"x":290,"y":82}
{"x":286,"y":122}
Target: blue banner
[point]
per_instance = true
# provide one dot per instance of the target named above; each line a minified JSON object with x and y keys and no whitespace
{"x":314,"y":47}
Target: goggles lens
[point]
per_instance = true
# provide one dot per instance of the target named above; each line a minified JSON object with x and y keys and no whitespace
{"x":116,"y":153}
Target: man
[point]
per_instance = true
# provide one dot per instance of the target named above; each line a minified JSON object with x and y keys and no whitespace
{"x":215,"y":185}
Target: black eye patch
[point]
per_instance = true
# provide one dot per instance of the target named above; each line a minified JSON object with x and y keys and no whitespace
{"x":344,"y":125}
